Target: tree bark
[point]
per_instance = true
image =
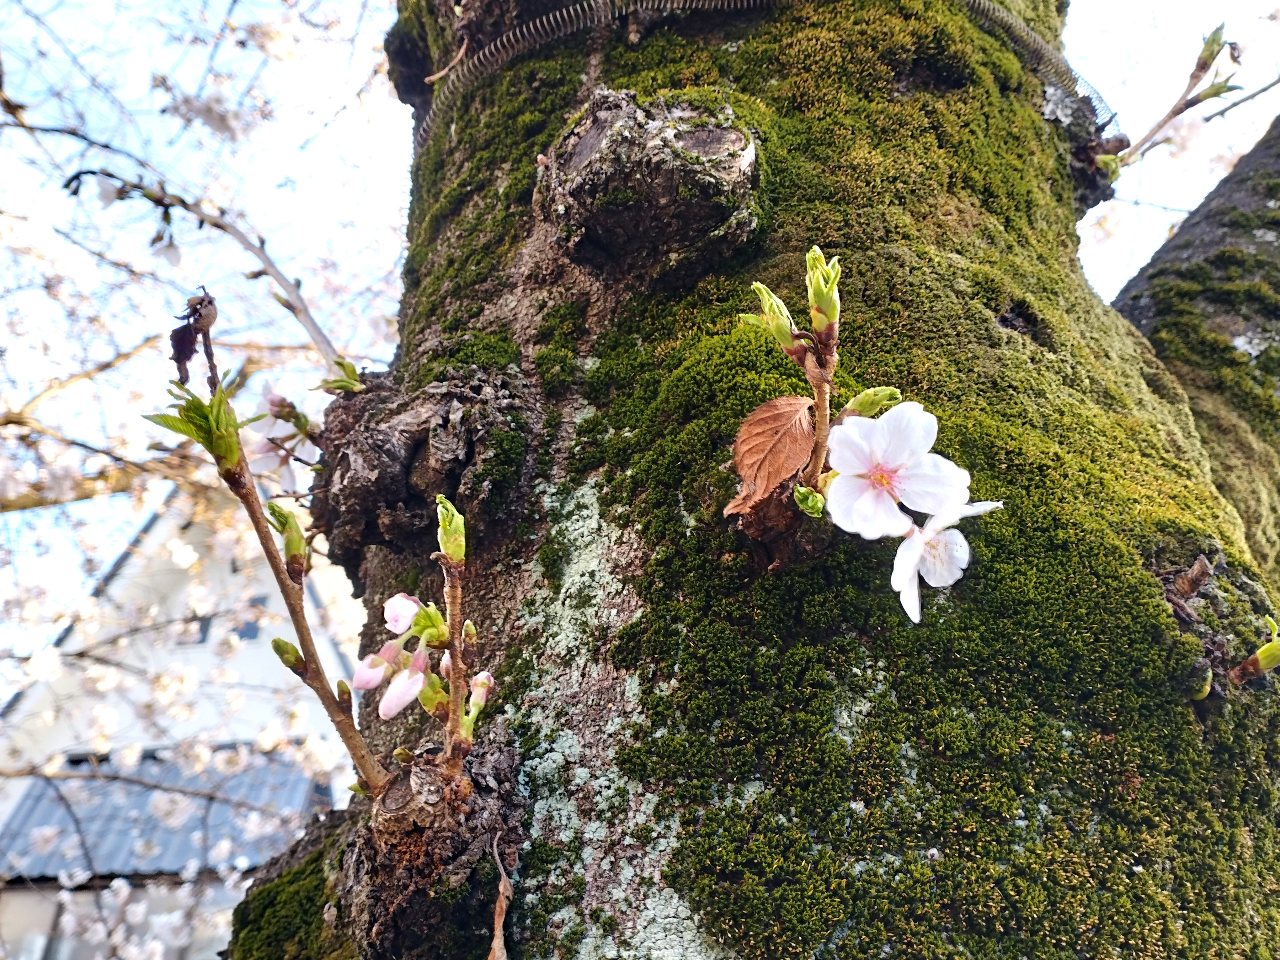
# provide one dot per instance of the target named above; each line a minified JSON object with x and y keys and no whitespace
{"x":1209,"y":300}
{"x":692,"y":754}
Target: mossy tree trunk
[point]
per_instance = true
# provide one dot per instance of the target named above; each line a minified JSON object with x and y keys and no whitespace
{"x":693,"y":757}
{"x":1209,"y":300}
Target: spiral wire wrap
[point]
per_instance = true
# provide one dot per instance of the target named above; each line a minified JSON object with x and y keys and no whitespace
{"x":1032,"y":50}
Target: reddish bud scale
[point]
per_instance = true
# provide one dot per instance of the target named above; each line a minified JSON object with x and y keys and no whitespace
{"x":1242,"y":673}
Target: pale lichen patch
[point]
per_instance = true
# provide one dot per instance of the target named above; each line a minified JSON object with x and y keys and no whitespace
{"x":578,"y":712}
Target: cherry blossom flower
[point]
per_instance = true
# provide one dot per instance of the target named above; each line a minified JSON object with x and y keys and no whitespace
{"x":405,"y":686}
{"x":446,"y":665}
{"x":168,"y":251}
{"x":936,"y":552}
{"x":885,"y":462}
{"x":399,"y":612}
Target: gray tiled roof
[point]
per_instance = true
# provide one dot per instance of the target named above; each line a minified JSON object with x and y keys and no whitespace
{"x":134,"y":829}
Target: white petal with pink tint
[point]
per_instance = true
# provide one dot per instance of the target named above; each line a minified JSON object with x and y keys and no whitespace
{"x":907,"y":431}
{"x":905,"y":578}
{"x":402,"y":691}
{"x":399,"y":612}
{"x":369,"y":673}
{"x":860,"y":507}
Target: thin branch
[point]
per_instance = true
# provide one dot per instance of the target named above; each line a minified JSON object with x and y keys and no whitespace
{"x":291,"y":299}
{"x":59,"y":385}
{"x":1231,"y":106}
{"x":132,"y":271}
{"x":7,"y":773}
{"x":83,"y":138}
{"x":217,"y":43}
{"x":441,"y":74}
{"x":176,"y":467}
{"x":1179,"y":107}
{"x":311,"y":672}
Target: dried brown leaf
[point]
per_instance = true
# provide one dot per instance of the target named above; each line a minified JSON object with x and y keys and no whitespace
{"x":183,"y":341}
{"x":498,"y":947}
{"x":773,"y":443}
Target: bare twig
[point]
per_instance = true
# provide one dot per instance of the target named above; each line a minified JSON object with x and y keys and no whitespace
{"x":83,"y":137}
{"x":88,"y":374}
{"x":240,"y":480}
{"x":291,"y":297}
{"x":7,"y":773}
{"x":441,"y":74}
{"x":1231,"y":106}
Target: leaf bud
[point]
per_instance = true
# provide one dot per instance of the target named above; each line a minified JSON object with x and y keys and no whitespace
{"x":295,"y":543}
{"x":1213,"y":45}
{"x":810,"y":501}
{"x":822,"y":280}
{"x":349,"y":379}
{"x":289,"y":655}
{"x":872,"y":401}
{"x":429,"y":624}
{"x":1216,"y":89}
{"x":453,"y":530}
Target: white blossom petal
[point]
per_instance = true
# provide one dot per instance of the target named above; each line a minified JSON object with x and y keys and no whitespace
{"x":399,"y":612}
{"x":906,"y":562}
{"x":906,"y":572}
{"x":945,"y":558}
{"x":908,"y":432}
{"x":850,"y":445}
{"x":288,"y":480}
{"x":369,"y":673}
{"x":933,"y":484}
{"x":402,"y":691}
{"x":910,"y":597}
{"x":108,"y":191}
{"x":941,"y":521}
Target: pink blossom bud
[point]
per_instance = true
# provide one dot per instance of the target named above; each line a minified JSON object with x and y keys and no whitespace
{"x":399,"y":612}
{"x":402,"y":691}
{"x":370,"y":672}
{"x":482,"y":684}
{"x":276,"y":405}
{"x":446,"y":665}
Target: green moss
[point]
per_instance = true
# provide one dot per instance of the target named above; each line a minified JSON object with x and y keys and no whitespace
{"x":563,"y":325}
{"x":488,"y":351}
{"x":1020,"y":775}
{"x":469,"y":206}
{"x":558,"y":369}
{"x":552,"y":557}
{"x":506,"y":450}
{"x":1234,"y":395}
{"x":284,"y":919}
{"x":1018,"y":759}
